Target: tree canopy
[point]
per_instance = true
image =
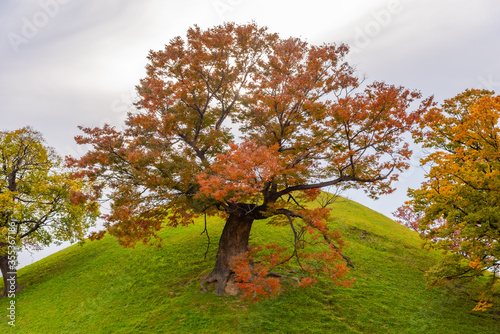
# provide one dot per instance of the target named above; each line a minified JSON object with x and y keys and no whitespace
{"x":457,"y":208}
{"x":238,"y":122}
{"x":40,"y":202}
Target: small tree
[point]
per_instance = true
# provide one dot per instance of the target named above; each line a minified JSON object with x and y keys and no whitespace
{"x":236,"y":121}
{"x":457,"y":208}
{"x":39,"y":202}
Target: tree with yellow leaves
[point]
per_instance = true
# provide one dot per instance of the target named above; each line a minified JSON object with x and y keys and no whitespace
{"x":458,"y":206}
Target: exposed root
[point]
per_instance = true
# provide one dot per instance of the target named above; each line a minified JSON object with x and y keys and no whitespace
{"x":221,"y":278}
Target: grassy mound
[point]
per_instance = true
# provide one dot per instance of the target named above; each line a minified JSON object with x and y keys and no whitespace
{"x":101,"y":287}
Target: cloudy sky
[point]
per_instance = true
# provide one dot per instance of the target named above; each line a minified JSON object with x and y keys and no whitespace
{"x":65,"y":63}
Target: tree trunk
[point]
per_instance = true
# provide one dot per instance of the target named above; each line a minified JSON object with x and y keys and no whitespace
{"x":233,"y":242}
{"x":9,"y":277}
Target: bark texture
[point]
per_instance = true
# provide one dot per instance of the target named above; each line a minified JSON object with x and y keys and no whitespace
{"x":233,"y":242}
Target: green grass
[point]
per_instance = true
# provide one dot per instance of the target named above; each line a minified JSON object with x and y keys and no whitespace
{"x":101,"y":287}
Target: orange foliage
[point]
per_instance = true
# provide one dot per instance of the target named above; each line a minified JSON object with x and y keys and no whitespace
{"x":484,"y":303}
{"x":240,"y":174}
{"x":304,"y":124}
{"x":252,"y":277}
{"x":307,"y":281}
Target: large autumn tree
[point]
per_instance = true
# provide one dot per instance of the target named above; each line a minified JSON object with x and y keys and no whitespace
{"x":40,"y":202}
{"x":457,"y":208}
{"x":236,"y":121}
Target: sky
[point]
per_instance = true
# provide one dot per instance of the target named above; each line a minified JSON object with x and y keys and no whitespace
{"x":66,"y":63}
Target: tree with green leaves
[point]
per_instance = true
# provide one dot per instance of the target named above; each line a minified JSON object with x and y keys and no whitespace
{"x":40,"y":203}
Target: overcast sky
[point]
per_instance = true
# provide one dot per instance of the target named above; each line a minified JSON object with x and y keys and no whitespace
{"x":65,"y":63}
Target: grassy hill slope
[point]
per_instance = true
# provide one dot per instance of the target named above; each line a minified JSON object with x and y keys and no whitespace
{"x":101,"y":287}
